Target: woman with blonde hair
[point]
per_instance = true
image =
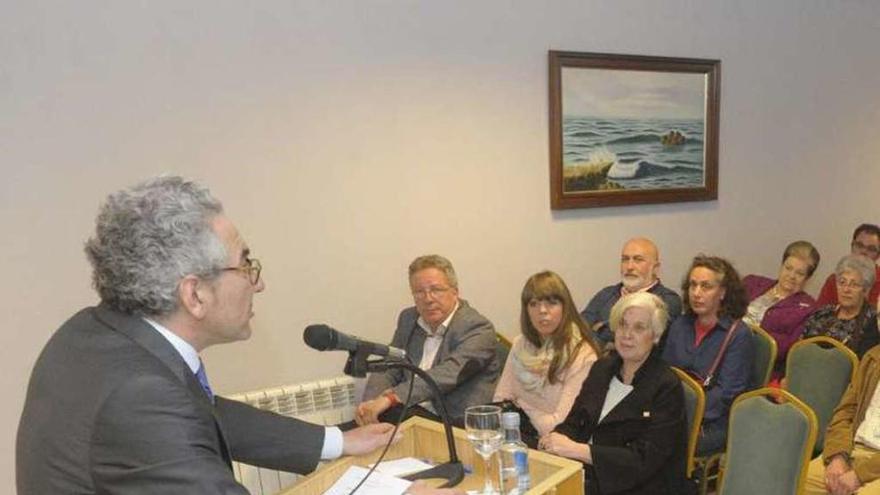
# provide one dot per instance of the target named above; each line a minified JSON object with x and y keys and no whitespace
{"x":551,"y":358}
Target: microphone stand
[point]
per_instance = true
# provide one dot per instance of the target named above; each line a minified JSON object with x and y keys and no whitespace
{"x":452,"y":471}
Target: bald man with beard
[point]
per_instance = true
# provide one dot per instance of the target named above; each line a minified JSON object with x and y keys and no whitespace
{"x":639,"y":268}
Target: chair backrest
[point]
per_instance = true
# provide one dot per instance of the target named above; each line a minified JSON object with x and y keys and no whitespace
{"x":765,"y":357}
{"x":817,"y":371}
{"x":695,"y":405}
{"x":502,"y":348}
{"x":769,"y":444}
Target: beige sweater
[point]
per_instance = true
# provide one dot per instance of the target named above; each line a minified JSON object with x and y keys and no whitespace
{"x":550,"y":405}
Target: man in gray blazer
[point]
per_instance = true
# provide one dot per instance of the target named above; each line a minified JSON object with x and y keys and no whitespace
{"x":444,"y":336}
{"x":119,"y":401}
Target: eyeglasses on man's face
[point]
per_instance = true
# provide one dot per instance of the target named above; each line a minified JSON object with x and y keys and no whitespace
{"x":251,"y":267}
{"x":871,"y":249}
{"x":432,"y":292}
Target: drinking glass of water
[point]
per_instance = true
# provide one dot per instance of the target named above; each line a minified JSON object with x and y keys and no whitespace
{"x":484,"y":431}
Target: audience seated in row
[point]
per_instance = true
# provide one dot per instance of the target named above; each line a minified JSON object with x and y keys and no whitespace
{"x":556,"y":354}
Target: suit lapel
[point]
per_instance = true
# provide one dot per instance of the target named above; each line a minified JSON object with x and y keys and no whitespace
{"x":416,"y":346}
{"x":143,"y":334}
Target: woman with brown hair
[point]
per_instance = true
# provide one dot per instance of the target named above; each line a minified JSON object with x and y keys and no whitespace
{"x":551,"y":358}
{"x":710,"y":342}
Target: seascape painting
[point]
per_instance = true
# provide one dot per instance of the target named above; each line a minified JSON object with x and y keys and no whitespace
{"x":633,"y":136}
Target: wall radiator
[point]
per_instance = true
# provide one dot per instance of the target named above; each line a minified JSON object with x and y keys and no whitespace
{"x":326,"y":402}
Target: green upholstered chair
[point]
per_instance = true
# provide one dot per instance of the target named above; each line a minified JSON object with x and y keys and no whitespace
{"x":817,"y":371}
{"x":765,"y":357}
{"x":762,"y":369}
{"x":769,"y":444}
{"x":695,"y":404}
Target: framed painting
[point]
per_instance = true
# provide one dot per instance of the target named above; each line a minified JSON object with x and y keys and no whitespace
{"x":632,"y":129}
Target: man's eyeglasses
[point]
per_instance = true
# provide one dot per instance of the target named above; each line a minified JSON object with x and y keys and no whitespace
{"x":251,"y":267}
{"x":866,"y":248}
{"x":432,"y":292}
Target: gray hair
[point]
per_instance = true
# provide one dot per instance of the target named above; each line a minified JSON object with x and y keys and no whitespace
{"x":147,"y":238}
{"x":859,"y":264}
{"x":659,"y":313}
{"x":434,"y":261}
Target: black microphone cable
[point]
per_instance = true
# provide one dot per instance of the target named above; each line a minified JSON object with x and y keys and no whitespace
{"x":406,"y":407}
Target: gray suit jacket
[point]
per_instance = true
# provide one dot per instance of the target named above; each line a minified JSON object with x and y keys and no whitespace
{"x":112,"y":408}
{"x":466,"y":367}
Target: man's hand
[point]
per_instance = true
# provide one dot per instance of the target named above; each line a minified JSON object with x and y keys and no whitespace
{"x":847,"y":483}
{"x":368,"y":412}
{"x":367,"y":438}
{"x":422,"y":488}
{"x":833,"y":471}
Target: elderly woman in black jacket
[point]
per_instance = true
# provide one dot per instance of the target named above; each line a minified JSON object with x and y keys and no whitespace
{"x":628,"y":424}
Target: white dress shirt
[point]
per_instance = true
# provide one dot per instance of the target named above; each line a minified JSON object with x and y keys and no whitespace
{"x":434,"y":339}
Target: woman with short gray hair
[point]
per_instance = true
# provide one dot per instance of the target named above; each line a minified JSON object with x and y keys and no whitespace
{"x":852,"y":320}
{"x":627,"y":425}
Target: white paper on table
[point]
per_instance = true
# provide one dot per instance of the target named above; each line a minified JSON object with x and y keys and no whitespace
{"x":403,"y":466}
{"x":377,"y":484}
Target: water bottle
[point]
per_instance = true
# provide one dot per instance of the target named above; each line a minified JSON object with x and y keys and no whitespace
{"x":515,"y":479}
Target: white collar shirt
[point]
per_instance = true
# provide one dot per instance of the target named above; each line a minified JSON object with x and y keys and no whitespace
{"x":434,"y":339}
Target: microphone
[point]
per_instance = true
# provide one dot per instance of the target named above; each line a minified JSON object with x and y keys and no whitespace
{"x":324,"y":338}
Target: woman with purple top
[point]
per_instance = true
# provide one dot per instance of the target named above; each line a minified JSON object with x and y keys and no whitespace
{"x":780,"y":306}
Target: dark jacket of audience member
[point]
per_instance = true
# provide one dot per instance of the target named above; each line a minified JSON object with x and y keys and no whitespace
{"x":599,"y":307}
{"x":640,"y":446}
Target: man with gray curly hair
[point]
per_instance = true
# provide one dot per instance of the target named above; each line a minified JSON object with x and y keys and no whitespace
{"x":119,"y":402}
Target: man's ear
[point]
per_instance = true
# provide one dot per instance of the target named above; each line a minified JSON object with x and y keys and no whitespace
{"x":192,"y":292}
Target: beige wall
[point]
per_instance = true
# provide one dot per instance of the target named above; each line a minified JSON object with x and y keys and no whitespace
{"x":345,"y":138}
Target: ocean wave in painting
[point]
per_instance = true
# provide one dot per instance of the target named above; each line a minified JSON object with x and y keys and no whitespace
{"x":644,"y":153}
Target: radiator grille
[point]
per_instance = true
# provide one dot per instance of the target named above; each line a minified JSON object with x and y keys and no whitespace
{"x":326,"y":402}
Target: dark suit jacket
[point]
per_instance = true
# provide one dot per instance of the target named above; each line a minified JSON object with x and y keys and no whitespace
{"x":112,"y":408}
{"x":640,"y":446}
{"x":466,"y":367}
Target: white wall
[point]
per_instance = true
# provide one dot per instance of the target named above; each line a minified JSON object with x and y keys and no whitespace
{"x":347,"y":137}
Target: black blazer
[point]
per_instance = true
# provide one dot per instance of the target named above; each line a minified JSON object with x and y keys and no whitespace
{"x":640,"y":446}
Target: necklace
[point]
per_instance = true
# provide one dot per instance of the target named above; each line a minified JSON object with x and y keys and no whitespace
{"x":777,"y":294}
